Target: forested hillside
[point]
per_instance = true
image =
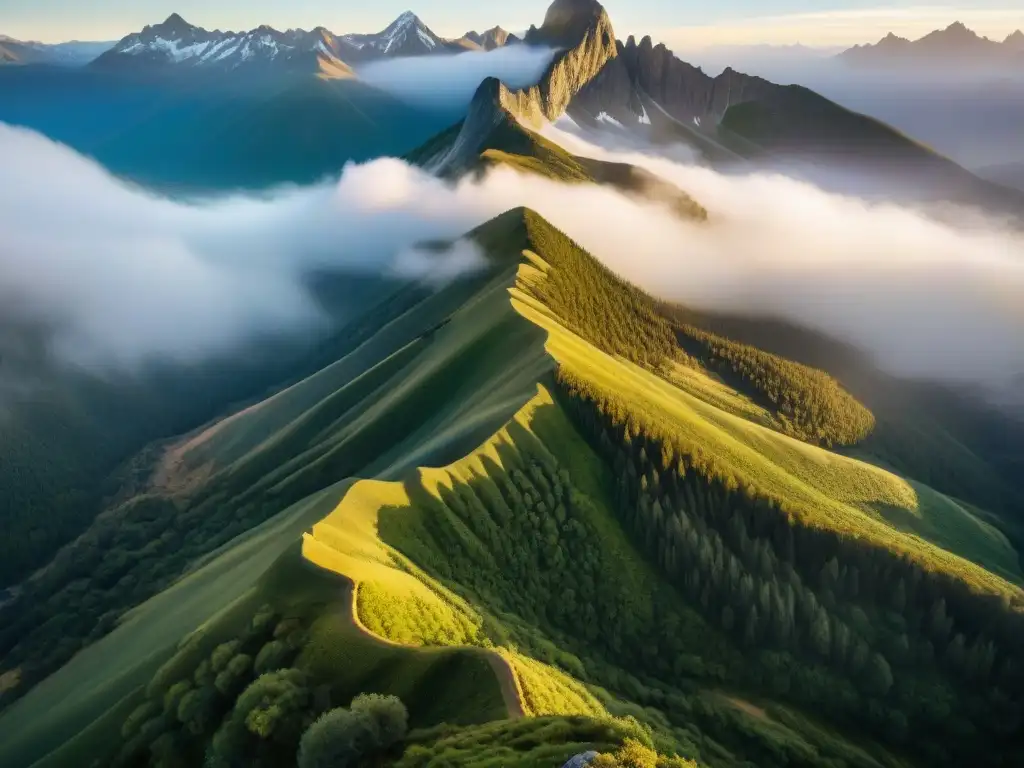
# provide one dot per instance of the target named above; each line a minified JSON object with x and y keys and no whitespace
{"x":775,"y":575}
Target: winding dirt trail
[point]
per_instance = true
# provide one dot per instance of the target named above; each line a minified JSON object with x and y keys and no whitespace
{"x":507,"y":683}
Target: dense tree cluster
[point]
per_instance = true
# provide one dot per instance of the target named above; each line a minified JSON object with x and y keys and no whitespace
{"x":525,"y":743}
{"x":922,"y":653}
{"x":808,"y":403}
{"x":614,"y":316}
{"x":530,"y":548}
{"x":373,"y":724}
{"x":130,"y":553}
{"x":241,"y":703}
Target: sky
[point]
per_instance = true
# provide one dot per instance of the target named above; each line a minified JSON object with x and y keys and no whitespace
{"x":681,"y":24}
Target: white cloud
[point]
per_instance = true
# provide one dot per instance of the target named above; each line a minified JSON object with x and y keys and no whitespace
{"x":437,"y":267}
{"x":126,"y":276}
{"x":926,"y":298}
{"x":122,"y":275}
{"x":451,"y":81}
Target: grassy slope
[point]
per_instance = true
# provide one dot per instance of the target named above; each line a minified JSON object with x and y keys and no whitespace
{"x":361,"y":536}
{"x":922,"y":431}
{"x":832,"y":490}
{"x":78,"y":711}
{"x":111,"y":669}
{"x":467,"y":345}
{"x":381,"y":530}
{"x":800,"y":121}
{"x":457,"y":381}
{"x":403,"y":603}
{"x":511,"y":145}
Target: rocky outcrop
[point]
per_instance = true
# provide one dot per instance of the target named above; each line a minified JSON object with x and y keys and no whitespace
{"x":583,"y":33}
{"x":683,"y":91}
{"x":581,"y":760}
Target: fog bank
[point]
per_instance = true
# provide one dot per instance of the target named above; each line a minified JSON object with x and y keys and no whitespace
{"x":123,"y":276}
{"x":450,"y":81}
{"x":942,"y":300}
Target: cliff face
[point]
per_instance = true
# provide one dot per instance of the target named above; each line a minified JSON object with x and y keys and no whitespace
{"x":583,"y":33}
{"x":683,"y":91}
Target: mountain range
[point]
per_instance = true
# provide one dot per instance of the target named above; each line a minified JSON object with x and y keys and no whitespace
{"x":70,"y":54}
{"x":955,"y":47}
{"x":734,"y":118}
{"x":176,"y":45}
{"x":1007,"y":174}
{"x":596,"y":79}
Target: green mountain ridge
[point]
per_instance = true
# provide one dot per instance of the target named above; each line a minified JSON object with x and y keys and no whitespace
{"x":492,"y":481}
{"x":547,"y":512}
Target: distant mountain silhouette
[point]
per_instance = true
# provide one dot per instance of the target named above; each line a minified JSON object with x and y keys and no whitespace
{"x":956,"y":46}
{"x":74,"y":53}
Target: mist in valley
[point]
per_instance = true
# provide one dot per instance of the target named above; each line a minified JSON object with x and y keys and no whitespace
{"x":974,"y":116}
{"x":122,"y":276}
{"x":450,"y":81}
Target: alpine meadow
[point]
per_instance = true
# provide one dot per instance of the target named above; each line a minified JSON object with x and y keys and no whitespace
{"x":500,"y":399}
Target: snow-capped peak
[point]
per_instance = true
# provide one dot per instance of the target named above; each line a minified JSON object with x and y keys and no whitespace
{"x":176,"y":42}
{"x":404,"y":20}
{"x":405,"y":36}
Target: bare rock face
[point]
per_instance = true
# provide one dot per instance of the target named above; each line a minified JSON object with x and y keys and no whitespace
{"x":684,"y":91}
{"x":495,"y":37}
{"x":583,"y":35}
{"x":583,"y":32}
{"x":581,"y":760}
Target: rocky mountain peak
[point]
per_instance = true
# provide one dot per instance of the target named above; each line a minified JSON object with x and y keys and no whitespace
{"x":494,"y":38}
{"x":955,"y":35}
{"x":174,"y":26}
{"x":583,"y":33}
{"x":567,"y":22}
{"x":405,"y":20}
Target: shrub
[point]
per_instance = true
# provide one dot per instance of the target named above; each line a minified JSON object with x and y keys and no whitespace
{"x":230,"y":680}
{"x":268,"y":717}
{"x":388,"y":712}
{"x":338,"y":739}
{"x":139,"y":716}
{"x":270,"y":703}
{"x":343,"y":737}
{"x":197,"y":709}
{"x":174,"y":696}
{"x":262,"y":622}
{"x":273,"y":655}
{"x":223,"y":654}
{"x":633,"y":754}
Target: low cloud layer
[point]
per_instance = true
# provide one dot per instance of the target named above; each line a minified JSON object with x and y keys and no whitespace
{"x":450,"y":81}
{"x":933,"y":299}
{"x":123,"y":276}
{"x":118,"y":275}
